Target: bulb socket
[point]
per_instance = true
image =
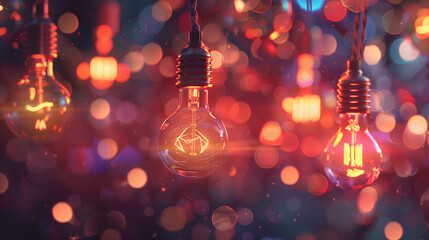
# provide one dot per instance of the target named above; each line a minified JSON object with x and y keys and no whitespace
{"x":353,"y":93}
{"x":40,"y":37}
{"x":194,"y":68}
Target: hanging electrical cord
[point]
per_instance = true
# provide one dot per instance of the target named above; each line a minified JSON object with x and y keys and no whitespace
{"x":192,"y":142}
{"x":362,"y":31}
{"x":194,"y":15}
{"x":194,"y":62}
{"x":353,"y":93}
{"x":355,"y":38}
{"x":352,"y":157}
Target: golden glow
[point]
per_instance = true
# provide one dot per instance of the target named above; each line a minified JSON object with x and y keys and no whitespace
{"x":137,"y":178}
{"x":393,"y":230}
{"x":367,"y":200}
{"x":239,"y":5}
{"x":338,"y":139}
{"x":303,"y":108}
{"x":217,"y":59}
{"x":289,"y":175}
{"x":192,"y":141}
{"x":417,"y":124}
{"x":274,"y":35}
{"x":305,"y":74}
{"x":353,"y":153}
{"x":372,"y":54}
{"x":39,"y":107}
{"x":424,"y":28}
{"x":40,"y":124}
{"x":62,"y":212}
{"x":422,"y":25}
{"x":100,"y":109}
{"x":270,"y":133}
{"x":385,"y":122}
{"x":162,"y":11}
{"x":103,"y":68}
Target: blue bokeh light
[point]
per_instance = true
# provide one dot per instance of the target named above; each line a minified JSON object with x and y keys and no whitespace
{"x":316,"y":4}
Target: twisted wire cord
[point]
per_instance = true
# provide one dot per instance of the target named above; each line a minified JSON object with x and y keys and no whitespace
{"x":194,"y":15}
{"x":355,"y":37}
{"x":41,"y":8}
{"x":362,"y":32}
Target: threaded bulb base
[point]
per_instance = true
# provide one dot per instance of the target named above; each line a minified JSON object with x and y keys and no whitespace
{"x":194,"y":68}
{"x":40,"y":37}
{"x":353,"y":93}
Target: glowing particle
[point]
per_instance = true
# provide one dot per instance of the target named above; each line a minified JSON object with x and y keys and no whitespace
{"x":62,"y":212}
{"x":68,"y":23}
{"x":224,"y":218}
{"x":137,"y":178}
{"x":289,"y":175}
{"x":100,"y":109}
{"x":107,"y":148}
{"x":393,"y":230}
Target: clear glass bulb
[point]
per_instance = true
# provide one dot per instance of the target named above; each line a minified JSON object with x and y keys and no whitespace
{"x":192,"y":142}
{"x":37,"y":107}
{"x":352,"y":157}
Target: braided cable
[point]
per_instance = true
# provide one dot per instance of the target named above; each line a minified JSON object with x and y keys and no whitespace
{"x":355,"y":37}
{"x":362,"y":32}
{"x":194,"y":15}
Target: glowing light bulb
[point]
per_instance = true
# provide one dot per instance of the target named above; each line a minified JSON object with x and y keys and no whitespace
{"x":352,"y":157}
{"x":192,"y":142}
{"x":37,"y":106}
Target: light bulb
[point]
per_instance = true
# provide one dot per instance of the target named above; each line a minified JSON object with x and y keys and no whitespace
{"x":192,"y":142}
{"x":37,"y":106}
{"x":353,"y":157}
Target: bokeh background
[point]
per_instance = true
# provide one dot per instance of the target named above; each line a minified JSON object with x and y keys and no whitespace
{"x":275,"y":67}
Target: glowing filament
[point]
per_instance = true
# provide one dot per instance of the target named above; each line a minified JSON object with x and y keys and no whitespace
{"x":353,"y":153}
{"x":192,"y":141}
{"x":39,"y":107}
{"x":40,"y":125}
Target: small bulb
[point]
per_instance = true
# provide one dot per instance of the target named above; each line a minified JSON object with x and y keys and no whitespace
{"x":37,"y":107}
{"x":352,"y":157}
{"x":192,"y":142}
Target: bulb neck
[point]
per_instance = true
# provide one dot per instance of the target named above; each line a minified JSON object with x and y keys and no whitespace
{"x":39,"y":65}
{"x":353,"y":121}
{"x":193,"y":98}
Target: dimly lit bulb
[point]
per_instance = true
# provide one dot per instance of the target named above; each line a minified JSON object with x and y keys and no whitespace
{"x":37,"y":107}
{"x":352,"y":157}
{"x":192,"y":142}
